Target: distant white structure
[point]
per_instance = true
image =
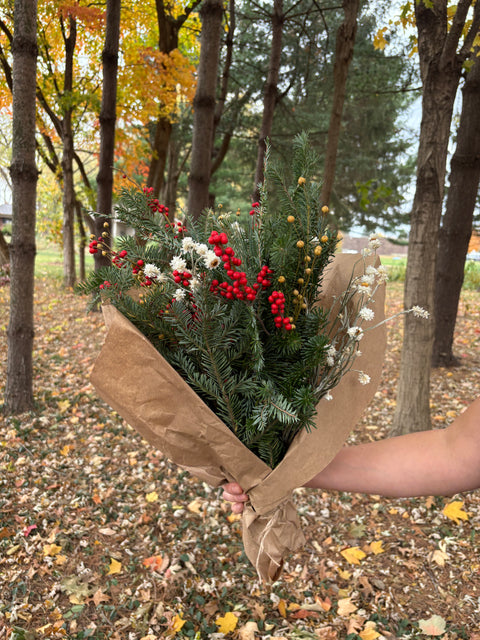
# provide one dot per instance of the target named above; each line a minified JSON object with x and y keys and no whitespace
{"x":474,"y":255}
{"x":5,"y":214}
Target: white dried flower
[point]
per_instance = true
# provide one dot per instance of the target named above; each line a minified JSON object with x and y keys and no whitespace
{"x":420,"y":312}
{"x":152,"y":271}
{"x":179,"y":294}
{"x":366,"y":314}
{"x":201,"y":248}
{"x":178,"y":264}
{"x":355,"y":332}
{"x":363,"y":378}
{"x":211,"y":260}
{"x":194,"y":283}
{"x":382,"y":273}
{"x":188,"y":244}
{"x":328,"y":396}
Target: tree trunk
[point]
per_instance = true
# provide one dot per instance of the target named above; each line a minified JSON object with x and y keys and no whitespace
{"x":82,"y":241}
{"x":440,"y":69}
{"x":343,"y":56}
{"x":457,"y":222}
{"x":67,"y":165}
{"x":4,"y":250}
{"x":107,"y":124}
{"x":204,"y":107}
{"x":270,"y":93}
{"x":168,"y":30}
{"x":23,"y":171}
{"x":163,"y":132}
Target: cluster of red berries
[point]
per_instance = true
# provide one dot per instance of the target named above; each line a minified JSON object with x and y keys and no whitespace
{"x":106,"y":285}
{"x":154,"y":203}
{"x":182,"y":277}
{"x":255,"y":206}
{"x":277,"y":307}
{"x":93,"y":246}
{"x":240,"y":288}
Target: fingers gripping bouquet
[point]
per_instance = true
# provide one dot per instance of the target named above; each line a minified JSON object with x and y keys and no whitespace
{"x":234,"y":336}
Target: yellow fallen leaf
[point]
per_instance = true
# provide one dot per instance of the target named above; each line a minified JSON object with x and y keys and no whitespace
{"x":282,"y":608}
{"x":346,"y":607}
{"x":353,"y":555}
{"x":234,"y":517}
{"x":454,"y":511}
{"x":51,"y":549}
{"x":152,"y":496}
{"x":115,"y":567}
{"x":376,"y":547}
{"x":66,"y":449}
{"x":369,"y":632}
{"x":227,"y":623}
{"x":63,"y":405}
{"x":195,"y":506}
{"x":176,"y":624}
{"x":60,"y":559}
{"x":345,"y":575}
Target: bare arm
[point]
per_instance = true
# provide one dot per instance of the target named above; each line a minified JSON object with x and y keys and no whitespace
{"x":440,"y":462}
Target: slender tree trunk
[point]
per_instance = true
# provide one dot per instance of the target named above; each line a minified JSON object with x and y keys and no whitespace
{"x":457,"y":222}
{"x":67,"y":165}
{"x":440,"y":68}
{"x":168,"y":30}
{"x":343,"y":56}
{"x":270,"y":93}
{"x":23,"y":171}
{"x":4,"y":250}
{"x":82,"y":241}
{"x":204,"y":107}
{"x":163,"y":132}
{"x":107,"y":123}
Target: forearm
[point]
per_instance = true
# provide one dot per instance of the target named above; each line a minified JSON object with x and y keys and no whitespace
{"x":441,"y":462}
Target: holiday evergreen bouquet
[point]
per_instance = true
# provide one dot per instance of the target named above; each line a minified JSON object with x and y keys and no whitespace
{"x":233,"y":306}
{"x":232,"y":344}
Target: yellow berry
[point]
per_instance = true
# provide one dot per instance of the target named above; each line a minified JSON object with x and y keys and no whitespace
{"x":308,"y":259}
{"x":325,"y":209}
{"x":308,"y":271}
{"x":293,"y":326}
{"x":291,"y":219}
{"x":300,"y":281}
{"x":104,"y":253}
{"x":281,"y":279}
{"x":301,"y":181}
{"x":300,"y":244}
{"x":104,"y":234}
{"x":92,"y":237}
{"x":318,"y":250}
{"x":295,"y":292}
{"x":304,"y":305}
{"x":106,"y":225}
{"x":324,"y":238}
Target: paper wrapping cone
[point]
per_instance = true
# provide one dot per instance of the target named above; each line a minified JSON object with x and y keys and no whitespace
{"x":138,"y":383}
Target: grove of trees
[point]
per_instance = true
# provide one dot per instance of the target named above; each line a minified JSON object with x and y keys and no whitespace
{"x":182,"y":95}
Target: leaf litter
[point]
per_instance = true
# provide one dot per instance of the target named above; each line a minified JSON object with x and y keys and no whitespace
{"x":102,"y":537}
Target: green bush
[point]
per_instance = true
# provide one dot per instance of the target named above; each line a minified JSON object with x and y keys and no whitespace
{"x":472,"y":275}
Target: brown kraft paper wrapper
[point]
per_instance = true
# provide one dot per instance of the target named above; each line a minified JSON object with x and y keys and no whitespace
{"x":153,"y":398}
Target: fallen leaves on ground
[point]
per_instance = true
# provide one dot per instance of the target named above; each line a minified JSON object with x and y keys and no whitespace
{"x":101,"y":537}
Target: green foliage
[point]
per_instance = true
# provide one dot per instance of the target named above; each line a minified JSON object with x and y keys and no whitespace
{"x":472,"y":276}
{"x":233,"y":306}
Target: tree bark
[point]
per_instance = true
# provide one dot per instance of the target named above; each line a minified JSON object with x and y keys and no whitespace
{"x":24,"y":174}
{"x":440,"y":68}
{"x":204,"y":107}
{"x":68,"y":227}
{"x":107,"y":124}
{"x":343,"y":56}
{"x":456,"y":229}
{"x":270,"y":93}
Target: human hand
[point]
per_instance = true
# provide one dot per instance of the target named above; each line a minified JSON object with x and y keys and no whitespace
{"x":233,"y":492}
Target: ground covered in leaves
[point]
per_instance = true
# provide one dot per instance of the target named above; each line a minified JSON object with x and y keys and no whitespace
{"x":101,"y":537}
